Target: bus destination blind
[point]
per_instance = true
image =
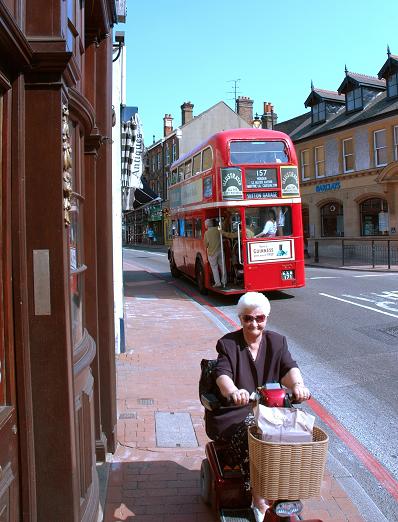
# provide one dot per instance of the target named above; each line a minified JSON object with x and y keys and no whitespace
{"x":261,"y":179}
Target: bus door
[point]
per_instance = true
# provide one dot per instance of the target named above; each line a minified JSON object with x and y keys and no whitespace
{"x":231,"y":220}
{"x":269,"y":241}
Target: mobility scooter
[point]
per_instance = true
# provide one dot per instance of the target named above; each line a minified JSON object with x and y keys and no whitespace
{"x":221,"y":479}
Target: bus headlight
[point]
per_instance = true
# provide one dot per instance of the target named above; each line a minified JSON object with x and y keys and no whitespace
{"x":288,"y":274}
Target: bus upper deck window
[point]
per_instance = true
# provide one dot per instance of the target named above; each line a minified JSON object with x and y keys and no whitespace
{"x":258,"y":152}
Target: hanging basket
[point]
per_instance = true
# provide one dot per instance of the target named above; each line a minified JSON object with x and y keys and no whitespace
{"x":288,"y":471}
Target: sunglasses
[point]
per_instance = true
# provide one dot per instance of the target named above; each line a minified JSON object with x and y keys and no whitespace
{"x":252,"y":318}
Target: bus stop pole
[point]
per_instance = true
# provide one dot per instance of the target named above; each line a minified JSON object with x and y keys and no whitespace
{"x":223,"y":278}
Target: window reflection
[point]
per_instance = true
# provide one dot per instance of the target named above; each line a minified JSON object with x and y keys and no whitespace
{"x":269,"y":221}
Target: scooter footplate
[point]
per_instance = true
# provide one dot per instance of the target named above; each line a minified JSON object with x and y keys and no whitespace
{"x":237,"y":515}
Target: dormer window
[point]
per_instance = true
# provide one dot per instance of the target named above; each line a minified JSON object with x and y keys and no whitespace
{"x":318,"y":112}
{"x":354,"y":101}
{"x":392,"y":85}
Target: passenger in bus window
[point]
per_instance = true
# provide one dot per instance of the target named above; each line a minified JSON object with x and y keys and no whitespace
{"x":212,"y":240}
{"x":270,"y":226}
{"x":280,"y":220}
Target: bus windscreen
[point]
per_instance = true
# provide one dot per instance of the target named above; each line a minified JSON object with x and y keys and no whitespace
{"x":258,"y":152}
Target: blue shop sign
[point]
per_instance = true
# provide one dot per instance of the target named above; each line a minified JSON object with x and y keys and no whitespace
{"x":328,"y":186}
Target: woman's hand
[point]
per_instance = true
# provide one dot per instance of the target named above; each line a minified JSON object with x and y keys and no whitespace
{"x":300,"y":392}
{"x":240,"y":397}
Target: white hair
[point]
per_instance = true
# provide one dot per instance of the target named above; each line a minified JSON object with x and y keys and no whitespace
{"x":252,"y":300}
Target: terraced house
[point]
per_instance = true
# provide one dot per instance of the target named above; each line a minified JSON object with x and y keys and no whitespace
{"x":347,"y":146}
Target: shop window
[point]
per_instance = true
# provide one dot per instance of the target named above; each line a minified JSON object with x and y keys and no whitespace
{"x":198,"y":228}
{"x":374,"y":217}
{"x":332,"y":224}
{"x":305,"y":165}
{"x":319,"y":153}
{"x":348,"y":155}
{"x":380,"y":147}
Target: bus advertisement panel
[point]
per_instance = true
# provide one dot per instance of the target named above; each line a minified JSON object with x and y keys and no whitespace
{"x":236,"y":213}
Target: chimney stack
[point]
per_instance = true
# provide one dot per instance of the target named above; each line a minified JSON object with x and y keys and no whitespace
{"x":167,"y":125}
{"x":269,"y":118}
{"x":244,"y":107}
{"x":186,"y":112}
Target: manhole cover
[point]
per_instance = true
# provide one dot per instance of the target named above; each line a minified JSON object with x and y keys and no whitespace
{"x":128,"y":415}
{"x":392,"y":330}
{"x":174,"y":430}
{"x":146,"y":402}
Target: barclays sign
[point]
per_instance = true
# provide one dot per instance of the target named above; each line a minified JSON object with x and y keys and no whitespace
{"x":328,"y":186}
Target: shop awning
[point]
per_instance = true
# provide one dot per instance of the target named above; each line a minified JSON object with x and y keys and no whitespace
{"x":145,"y":196}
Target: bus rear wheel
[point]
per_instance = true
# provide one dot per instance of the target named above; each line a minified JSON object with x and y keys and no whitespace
{"x":173,"y":267}
{"x":200,"y":277}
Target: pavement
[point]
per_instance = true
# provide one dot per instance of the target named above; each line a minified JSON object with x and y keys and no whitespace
{"x":167,"y":335}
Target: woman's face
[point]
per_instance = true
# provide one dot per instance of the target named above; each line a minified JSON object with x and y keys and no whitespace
{"x":253,"y":321}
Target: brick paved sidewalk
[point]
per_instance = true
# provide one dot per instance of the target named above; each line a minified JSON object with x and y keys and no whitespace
{"x":167,"y":335}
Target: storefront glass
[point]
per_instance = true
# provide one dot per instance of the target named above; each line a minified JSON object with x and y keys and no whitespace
{"x":332,"y":224}
{"x":374,"y":217}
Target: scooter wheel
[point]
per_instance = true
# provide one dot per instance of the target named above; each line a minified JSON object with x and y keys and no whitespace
{"x":205,"y":482}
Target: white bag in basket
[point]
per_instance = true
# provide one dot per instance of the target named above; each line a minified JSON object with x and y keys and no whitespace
{"x":283,"y":424}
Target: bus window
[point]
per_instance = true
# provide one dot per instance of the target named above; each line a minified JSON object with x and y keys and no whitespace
{"x":173,"y":177}
{"x":188,"y":228}
{"x":275,"y":221}
{"x":180,"y":173}
{"x":198,"y":228}
{"x":181,"y":227}
{"x":188,"y":169}
{"x":196,"y":167}
{"x":207,"y":159}
{"x":258,"y":152}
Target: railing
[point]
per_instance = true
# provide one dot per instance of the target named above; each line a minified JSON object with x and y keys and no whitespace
{"x":361,"y":252}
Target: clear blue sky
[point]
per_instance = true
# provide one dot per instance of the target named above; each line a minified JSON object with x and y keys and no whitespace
{"x":189,"y":50}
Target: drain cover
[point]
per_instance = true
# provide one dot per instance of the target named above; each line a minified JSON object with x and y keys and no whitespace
{"x":174,"y":430}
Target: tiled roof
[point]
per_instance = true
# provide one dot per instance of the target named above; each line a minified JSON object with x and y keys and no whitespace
{"x":330,"y":95}
{"x":365,"y":79}
{"x":301,"y":128}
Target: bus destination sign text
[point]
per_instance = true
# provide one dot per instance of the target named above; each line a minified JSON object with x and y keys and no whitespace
{"x":261,"y":179}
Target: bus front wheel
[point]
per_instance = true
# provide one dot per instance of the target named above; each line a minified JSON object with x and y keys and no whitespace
{"x":200,"y":277}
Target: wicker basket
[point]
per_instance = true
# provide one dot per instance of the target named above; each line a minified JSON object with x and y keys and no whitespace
{"x":288,"y":471}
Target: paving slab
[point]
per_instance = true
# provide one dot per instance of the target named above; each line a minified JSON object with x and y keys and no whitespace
{"x":167,"y":335}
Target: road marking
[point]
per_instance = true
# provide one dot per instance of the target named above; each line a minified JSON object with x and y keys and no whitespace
{"x":373,"y":275}
{"x":324,"y":277}
{"x":360,"y":305}
{"x":163,"y":254}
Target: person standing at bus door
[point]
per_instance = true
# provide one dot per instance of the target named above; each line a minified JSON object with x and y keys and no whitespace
{"x":212,"y":240}
{"x":270,"y":226}
{"x":280,"y":221}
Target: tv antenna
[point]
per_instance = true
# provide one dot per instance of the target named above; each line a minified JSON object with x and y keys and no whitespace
{"x":235,"y":91}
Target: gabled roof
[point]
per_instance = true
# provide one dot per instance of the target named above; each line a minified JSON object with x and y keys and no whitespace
{"x":300,"y":128}
{"x":358,"y":80}
{"x":390,"y":66}
{"x":320,"y":95}
{"x":220,"y":104}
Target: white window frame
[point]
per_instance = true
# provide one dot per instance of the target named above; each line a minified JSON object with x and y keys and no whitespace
{"x":317,"y":163}
{"x":167,"y":155}
{"x":346,"y":155}
{"x":303,"y":165}
{"x":377,"y":149}
{"x":396,"y":142}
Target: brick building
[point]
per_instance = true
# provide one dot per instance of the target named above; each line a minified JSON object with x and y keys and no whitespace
{"x":347,"y":146}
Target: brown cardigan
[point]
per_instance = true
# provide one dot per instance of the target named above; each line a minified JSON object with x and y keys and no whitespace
{"x":234,"y":360}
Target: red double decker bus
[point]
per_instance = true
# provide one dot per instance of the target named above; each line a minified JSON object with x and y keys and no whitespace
{"x":245,"y":183}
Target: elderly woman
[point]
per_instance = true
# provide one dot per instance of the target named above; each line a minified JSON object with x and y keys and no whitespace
{"x":248,"y":358}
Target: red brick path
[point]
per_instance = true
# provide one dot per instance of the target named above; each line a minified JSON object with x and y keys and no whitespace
{"x":167,"y":335}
